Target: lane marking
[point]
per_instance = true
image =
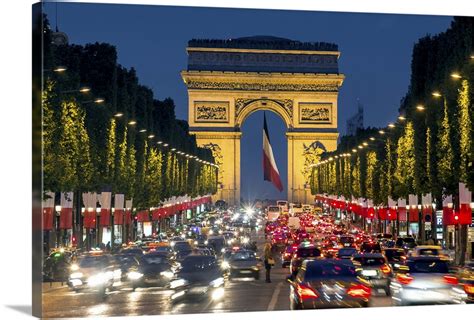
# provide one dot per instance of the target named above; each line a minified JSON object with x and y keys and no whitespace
{"x":275,"y":295}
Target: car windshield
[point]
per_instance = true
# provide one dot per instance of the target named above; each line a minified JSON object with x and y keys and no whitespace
{"x":243,"y":256}
{"x":328,"y":270}
{"x":153,"y":259}
{"x":198,"y":263}
{"x":163,"y":249}
{"x":132,"y":251}
{"x":346,"y":252}
{"x":124,"y":258}
{"x":370,"y":261}
{"x":93,"y":262}
{"x":308,"y":252}
{"x":428,"y":252}
{"x":393,"y":254}
{"x":182,"y":246}
{"x":430,"y":266}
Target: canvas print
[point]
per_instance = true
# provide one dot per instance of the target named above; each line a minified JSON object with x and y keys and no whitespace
{"x":203,"y":160}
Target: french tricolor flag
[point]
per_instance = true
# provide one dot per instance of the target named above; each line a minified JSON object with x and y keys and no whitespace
{"x":270,"y":170}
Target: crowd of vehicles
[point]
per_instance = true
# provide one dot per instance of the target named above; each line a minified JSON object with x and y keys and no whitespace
{"x":194,"y":262}
{"x":332,"y":264}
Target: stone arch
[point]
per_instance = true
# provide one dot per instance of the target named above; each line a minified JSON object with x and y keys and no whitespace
{"x":245,"y":107}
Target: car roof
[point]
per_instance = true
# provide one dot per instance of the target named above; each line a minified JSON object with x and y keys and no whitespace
{"x":369,"y":255}
{"x":427,"y":258}
{"x":429,"y":247}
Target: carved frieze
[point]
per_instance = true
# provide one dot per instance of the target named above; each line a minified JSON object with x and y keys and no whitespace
{"x":211,"y":111}
{"x":318,"y":87}
{"x":287,"y":104}
{"x":315,"y":112}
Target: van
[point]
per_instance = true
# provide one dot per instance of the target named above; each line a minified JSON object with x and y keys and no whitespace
{"x":273,"y":212}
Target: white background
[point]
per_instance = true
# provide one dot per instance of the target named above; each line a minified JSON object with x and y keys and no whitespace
{"x":15,"y":154}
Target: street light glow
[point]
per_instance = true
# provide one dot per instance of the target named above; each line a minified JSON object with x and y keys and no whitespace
{"x":365,"y":143}
{"x":391,"y":125}
{"x":59,"y":69}
{"x":143,"y":130}
{"x":381,"y":132}
{"x":151,"y":136}
{"x":436,"y":94}
{"x":420,"y":107}
{"x":354,"y":150}
{"x":132,"y":123}
{"x":360,"y":147}
{"x":165,"y":145}
{"x":118,"y":114}
{"x":456,"y":75}
{"x":401,"y":118}
{"x":160,"y":142}
{"x":84,"y":89}
{"x":99,"y":100}
{"x":372,"y":138}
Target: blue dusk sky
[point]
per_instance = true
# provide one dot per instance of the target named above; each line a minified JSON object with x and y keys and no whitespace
{"x":375,"y":58}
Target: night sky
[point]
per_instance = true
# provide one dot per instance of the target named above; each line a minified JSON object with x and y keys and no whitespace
{"x":375,"y":58}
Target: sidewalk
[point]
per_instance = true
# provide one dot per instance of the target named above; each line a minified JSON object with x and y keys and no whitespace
{"x":53,"y":286}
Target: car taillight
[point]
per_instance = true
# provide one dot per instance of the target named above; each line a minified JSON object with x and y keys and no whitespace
{"x":306,"y":292}
{"x":469,"y":288}
{"x":404,"y":279}
{"x":451,"y":280}
{"x":386,"y":269}
{"x":359,"y":291}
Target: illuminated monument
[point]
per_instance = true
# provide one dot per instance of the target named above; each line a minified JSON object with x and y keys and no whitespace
{"x":227,"y":80}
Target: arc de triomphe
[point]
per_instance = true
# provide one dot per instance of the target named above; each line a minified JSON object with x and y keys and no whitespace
{"x":227,"y":80}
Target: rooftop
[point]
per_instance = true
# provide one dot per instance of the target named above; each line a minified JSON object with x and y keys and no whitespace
{"x":263,"y":42}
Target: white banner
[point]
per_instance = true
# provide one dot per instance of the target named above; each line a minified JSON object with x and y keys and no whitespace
{"x":67,"y":199}
{"x":119,"y":201}
{"x":402,"y":203}
{"x":447,"y":201}
{"x":413,"y":201}
{"x":465,"y":195}
{"x":128,"y":204}
{"x":105,"y":200}
{"x":90,"y":201}
{"x":49,"y":201}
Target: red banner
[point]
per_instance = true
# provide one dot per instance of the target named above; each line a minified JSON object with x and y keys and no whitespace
{"x":143,"y":216}
{"x":371,"y":213}
{"x":104,"y":220}
{"x":392,"y":214}
{"x":118,"y":216}
{"x":65,"y":219}
{"x":402,"y":214}
{"x":156,"y":214}
{"x":448,"y":216}
{"x":414,"y":215}
{"x":383,"y":213}
{"x":465,"y":214}
{"x":48,"y":218}
{"x":89,"y":219}
{"x":127,"y":217}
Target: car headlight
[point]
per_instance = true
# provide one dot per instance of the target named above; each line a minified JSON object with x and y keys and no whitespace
{"x":172,"y":243}
{"x":217,"y":282}
{"x":177,"y":283}
{"x":134,"y":275}
{"x":76,"y":275}
{"x":97,"y":280}
{"x":225,"y":265}
{"x":218,"y":294}
{"x":195,"y":243}
{"x":206,"y":242}
{"x":117,"y":274}
{"x":74,"y":267}
{"x":167,"y":274}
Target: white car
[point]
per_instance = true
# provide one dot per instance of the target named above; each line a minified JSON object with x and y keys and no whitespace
{"x":426,"y":280}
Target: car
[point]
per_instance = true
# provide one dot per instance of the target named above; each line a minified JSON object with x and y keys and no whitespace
{"x":328,"y":283}
{"x":426,"y":280}
{"x":407,"y":243}
{"x":346,"y":253}
{"x":135,"y":251}
{"x":375,"y":269}
{"x":370,"y":247}
{"x":347,"y":241}
{"x":153,"y":269}
{"x":125,"y":262}
{"x":303,"y":252}
{"x":395,"y":257}
{"x":287,"y":255}
{"x":93,"y":272}
{"x":217,"y":243}
{"x":433,"y":251}
{"x":465,"y":275}
{"x":199,"y":277}
{"x":244,"y":263}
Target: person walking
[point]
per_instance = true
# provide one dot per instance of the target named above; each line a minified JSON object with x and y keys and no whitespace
{"x":268,"y":260}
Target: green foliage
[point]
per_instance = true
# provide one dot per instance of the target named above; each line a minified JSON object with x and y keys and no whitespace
{"x":405,"y":165}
